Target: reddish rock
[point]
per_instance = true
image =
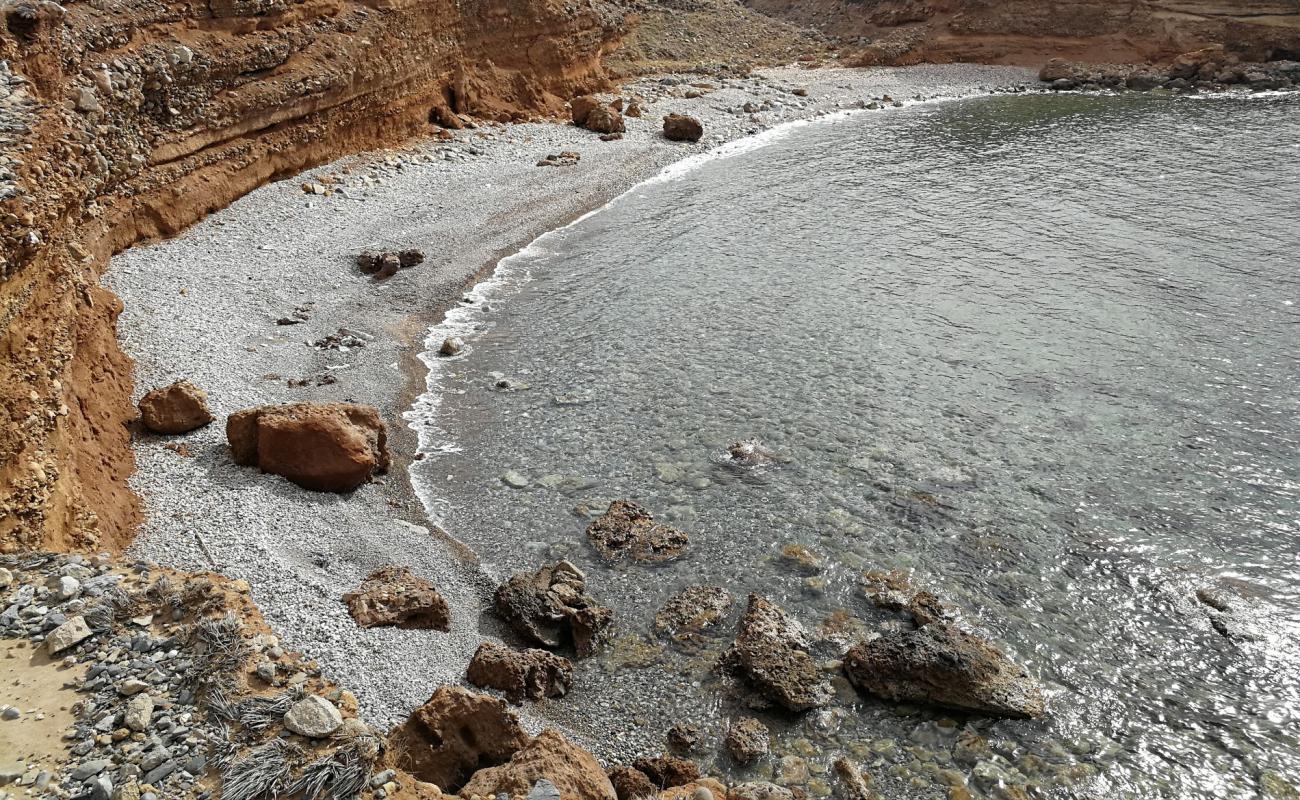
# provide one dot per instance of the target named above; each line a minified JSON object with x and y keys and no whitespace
{"x":681,"y":128}
{"x":687,"y":615}
{"x":520,"y":673}
{"x":393,"y":596}
{"x":945,"y":666}
{"x":580,"y":107}
{"x":748,"y":740}
{"x":329,"y":447}
{"x":627,"y":530}
{"x":668,"y":771}
{"x":633,"y":109}
{"x":574,"y":771}
{"x":454,"y":735}
{"x":631,"y":783}
{"x":603,"y":119}
{"x":550,"y":607}
{"x":174,"y":409}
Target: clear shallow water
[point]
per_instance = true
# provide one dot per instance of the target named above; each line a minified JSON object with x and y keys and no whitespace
{"x":1040,"y":350}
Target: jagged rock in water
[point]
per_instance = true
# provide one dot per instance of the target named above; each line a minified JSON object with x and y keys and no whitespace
{"x":945,"y":666}
{"x":681,"y":128}
{"x":751,"y":452}
{"x":331,"y":447}
{"x":394,"y":596}
{"x":894,"y":591}
{"x":179,"y":408}
{"x":627,"y":530}
{"x":520,"y":673}
{"x":771,"y":654}
{"x":748,"y":740}
{"x":455,"y":734}
{"x":550,"y":607}
{"x":854,"y":783}
{"x":574,"y":771}
{"x":688,"y":614}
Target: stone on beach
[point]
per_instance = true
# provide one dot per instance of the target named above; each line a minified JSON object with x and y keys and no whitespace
{"x":331,"y":447}
{"x":631,"y":783}
{"x":455,"y":734}
{"x":603,"y":119}
{"x":394,"y":596}
{"x":942,"y":665}
{"x":178,"y":408}
{"x":580,"y":107}
{"x":681,"y":128}
{"x":528,"y":673}
{"x":313,"y":717}
{"x":550,"y":607}
{"x":627,"y":530}
{"x":72,"y":632}
{"x":575,"y":772}
{"x":771,"y":654}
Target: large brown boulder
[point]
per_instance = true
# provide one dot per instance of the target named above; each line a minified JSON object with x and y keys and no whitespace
{"x":681,"y":128}
{"x":580,"y":107}
{"x":628,"y":531}
{"x":520,"y":673}
{"x":574,"y":771}
{"x":771,"y":654}
{"x":945,"y":666}
{"x":603,"y":119}
{"x":326,"y":447}
{"x":179,"y":408}
{"x":667,"y":771}
{"x":631,"y":783}
{"x":550,"y":607}
{"x":393,"y":596}
{"x":455,"y":734}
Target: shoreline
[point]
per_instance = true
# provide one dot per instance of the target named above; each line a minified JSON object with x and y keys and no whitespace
{"x":204,"y":306}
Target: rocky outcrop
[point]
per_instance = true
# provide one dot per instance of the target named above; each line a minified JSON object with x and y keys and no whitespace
{"x":394,"y":596}
{"x":124,"y":121}
{"x":681,"y":128}
{"x":1027,"y":32}
{"x":550,"y":756}
{"x":455,"y":734}
{"x":748,"y":740}
{"x":945,"y":666}
{"x":771,"y":655}
{"x":326,"y":447}
{"x":179,"y":408}
{"x":628,"y":531}
{"x":520,"y":673}
{"x":603,"y":119}
{"x":550,"y":607}
{"x":1209,"y":69}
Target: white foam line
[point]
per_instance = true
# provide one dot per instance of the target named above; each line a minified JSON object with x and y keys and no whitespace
{"x":511,"y":273}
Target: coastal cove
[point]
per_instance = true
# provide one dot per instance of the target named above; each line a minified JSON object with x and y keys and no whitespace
{"x":894,"y":357}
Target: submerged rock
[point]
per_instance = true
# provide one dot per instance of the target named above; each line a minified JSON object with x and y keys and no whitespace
{"x":751,"y":452}
{"x":454,"y":735}
{"x":331,"y":447}
{"x":692,"y":611}
{"x":550,"y":607}
{"x":520,"y":673}
{"x":943,"y":665}
{"x":627,"y":530}
{"x":748,"y":740}
{"x":574,"y":772}
{"x":771,"y":654}
{"x":394,"y":596}
{"x":179,"y":408}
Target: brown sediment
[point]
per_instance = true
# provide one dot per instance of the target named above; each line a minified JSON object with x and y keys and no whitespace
{"x":136,"y":120}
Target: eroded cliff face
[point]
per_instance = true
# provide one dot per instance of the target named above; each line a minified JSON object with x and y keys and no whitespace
{"x":1028,"y":32}
{"x":126,"y":120}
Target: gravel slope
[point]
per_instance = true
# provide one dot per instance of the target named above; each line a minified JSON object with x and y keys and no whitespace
{"x":204,"y":307}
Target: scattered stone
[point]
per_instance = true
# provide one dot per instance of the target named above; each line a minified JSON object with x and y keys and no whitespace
{"x":313,"y":717}
{"x":750,"y":452}
{"x":683,"y":737}
{"x":854,"y":783}
{"x":549,"y":607}
{"x":771,"y":654}
{"x":759,"y":790}
{"x":139,"y":712}
{"x":681,"y":128}
{"x":627,"y":530}
{"x":452,"y":346}
{"x":528,"y":673}
{"x":332,"y":447}
{"x":568,"y":158}
{"x":179,"y":408}
{"x":748,"y":740}
{"x":668,"y":771}
{"x":574,"y":772}
{"x":943,"y":665}
{"x":72,"y":632}
{"x":611,"y":137}
{"x":799,"y":92}
{"x":455,"y":735}
{"x":687,"y":615}
{"x":394,"y":596}
{"x":631,"y":783}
